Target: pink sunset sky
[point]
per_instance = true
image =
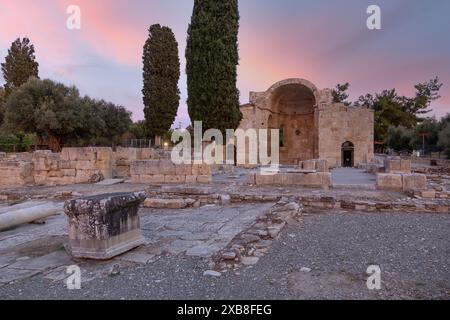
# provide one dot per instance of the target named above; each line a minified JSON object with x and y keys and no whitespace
{"x":324,"y":41}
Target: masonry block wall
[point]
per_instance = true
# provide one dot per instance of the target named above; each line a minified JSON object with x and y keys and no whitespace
{"x":165,"y":171}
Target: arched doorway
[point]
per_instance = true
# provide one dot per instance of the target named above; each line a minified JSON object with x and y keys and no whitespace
{"x":348,"y":154}
{"x":292,"y":106}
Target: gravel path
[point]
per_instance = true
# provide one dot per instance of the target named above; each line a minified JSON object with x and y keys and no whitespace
{"x":413,"y":252}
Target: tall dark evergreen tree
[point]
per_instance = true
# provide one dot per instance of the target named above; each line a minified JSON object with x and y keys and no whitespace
{"x":161,"y":76}
{"x":211,"y":64}
{"x":20,"y":64}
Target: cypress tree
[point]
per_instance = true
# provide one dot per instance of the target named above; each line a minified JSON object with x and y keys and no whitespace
{"x":20,"y":64}
{"x":161,"y":75}
{"x":211,"y":64}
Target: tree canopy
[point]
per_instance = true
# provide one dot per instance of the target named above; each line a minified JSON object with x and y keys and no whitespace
{"x":161,"y":75}
{"x":211,"y":64}
{"x":57,"y":114}
{"x":20,"y":64}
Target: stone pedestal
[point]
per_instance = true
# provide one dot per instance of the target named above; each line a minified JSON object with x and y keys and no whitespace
{"x":104,"y":226}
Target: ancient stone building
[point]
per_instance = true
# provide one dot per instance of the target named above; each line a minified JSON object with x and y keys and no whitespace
{"x":311,"y":125}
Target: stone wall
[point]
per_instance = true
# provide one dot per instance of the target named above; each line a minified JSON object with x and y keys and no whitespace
{"x":319,"y":165}
{"x":15,"y":172}
{"x":165,"y":171}
{"x":72,"y":165}
{"x":313,"y":126}
{"x":313,"y":179}
{"x":123,"y":157}
{"x":401,"y":182}
{"x":397,"y":165}
{"x":338,"y":124}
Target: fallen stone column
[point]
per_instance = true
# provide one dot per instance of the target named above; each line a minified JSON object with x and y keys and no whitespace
{"x":104,"y":226}
{"x":26,"y":215}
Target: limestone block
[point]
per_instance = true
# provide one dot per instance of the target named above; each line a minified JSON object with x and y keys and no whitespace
{"x":174,"y":179}
{"x":322,"y":165}
{"x":191,"y":179}
{"x":167,"y":203}
{"x":78,"y":154}
{"x":55,"y":174}
{"x":147,"y":178}
{"x":145,"y":154}
{"x":66,"y":164}
{"x":105,"y":167}
{"x":251,"y":178}
{"x":309,"y":165}
{"x":40,"y":177}
{"x":103,"y":154}
{"x":85,"y":165}
{"x":183,"y":169}
{"x":83,"y":176}
{"x":414,"y":182}
{"x":429,"y":194}
{"x":201,"y":169}
{"x":405,"y":166}
{"x":68,"y":172}
{"x":167,"y":167}
{"x":397,"y":166}
{"x":269,"y":179}
{"x":104,"y":226}
{"x":390,"y":181}
{"x":204,"y":179}
{"x":139,"y":167}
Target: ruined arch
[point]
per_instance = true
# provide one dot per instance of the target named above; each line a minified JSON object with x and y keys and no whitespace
{"x":291,"y":105}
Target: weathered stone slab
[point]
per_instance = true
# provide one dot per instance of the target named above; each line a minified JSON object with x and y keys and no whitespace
{"x":414,"y":182}
{"x":104,"y":226}
{"x":389,"y":181}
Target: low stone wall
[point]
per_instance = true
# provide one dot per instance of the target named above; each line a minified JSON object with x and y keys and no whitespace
{"x":72,"y":165}
{"x":124,"y":156}
{"x":312,"y":179}
{"x":397,"y":165}
{"x":15,"y":172}
{"x":401,"y":182}
{"x":165,"y":171}
{"x":319,"y":165}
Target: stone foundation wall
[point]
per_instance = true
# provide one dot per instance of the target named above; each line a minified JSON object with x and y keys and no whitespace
{"x":164,"y":171}
{"x":397,"y":165}
{"x":313,"y":179}
{"x":401,"y":182}
{"x":72,"y":165}
{"x":338,"y":124}
{"x":84,"y":165}
{"x":318,"y":165}
{"x":15,"y":172}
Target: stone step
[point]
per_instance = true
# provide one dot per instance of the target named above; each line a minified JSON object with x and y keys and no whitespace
{"x":354,"y":186}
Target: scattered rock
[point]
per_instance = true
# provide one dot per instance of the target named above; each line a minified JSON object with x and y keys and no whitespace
{"x":115,"y":270}
{"x":229,"y":255}
{"x":304,"y":269}
{"x":249,"y":261}
{"x":212,"y":273}
{"x":96,"y":177}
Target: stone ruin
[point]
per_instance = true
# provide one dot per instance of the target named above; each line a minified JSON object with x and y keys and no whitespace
{"x":104,"y":226}
{"x":93,"y":164}
{"x":309,"y":173}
